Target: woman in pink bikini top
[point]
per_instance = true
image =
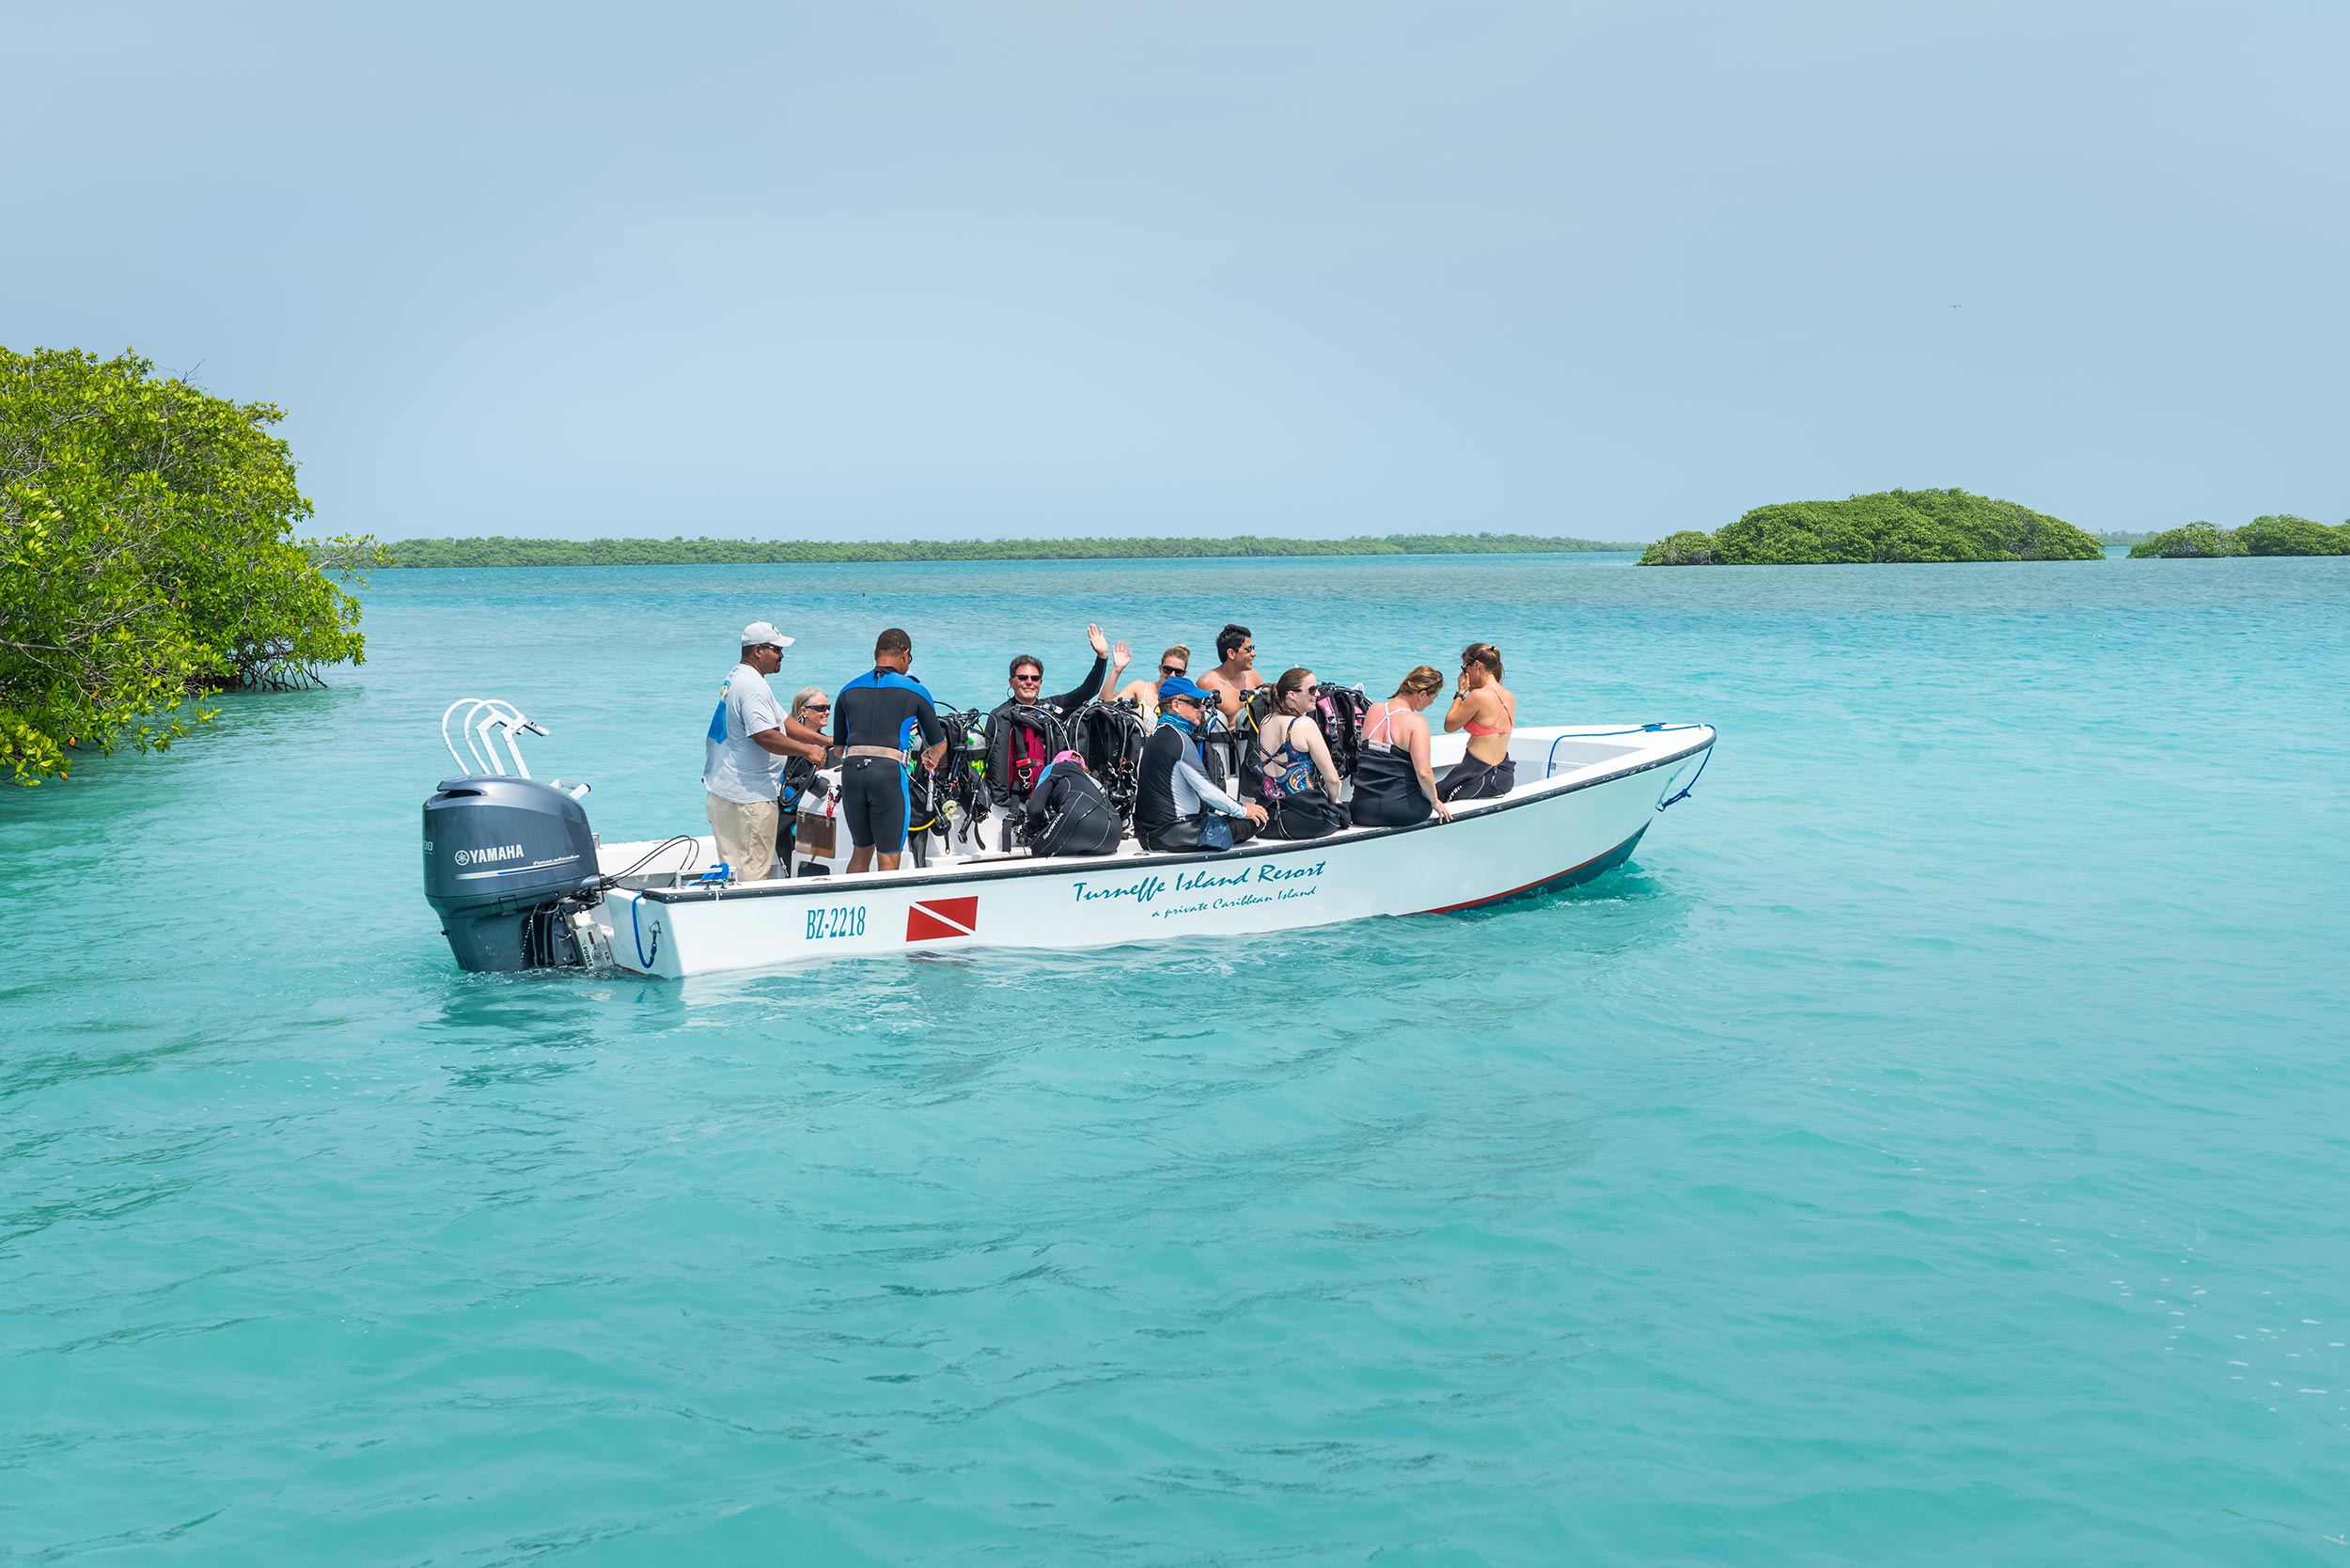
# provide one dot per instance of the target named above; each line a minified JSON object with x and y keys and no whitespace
{"x":1485,"y":708}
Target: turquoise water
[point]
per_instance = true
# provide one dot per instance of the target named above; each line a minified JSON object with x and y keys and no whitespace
{"x":1932,"y":1149}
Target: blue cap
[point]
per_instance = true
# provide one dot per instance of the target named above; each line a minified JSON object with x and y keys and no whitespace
{"x":1183,"y":685}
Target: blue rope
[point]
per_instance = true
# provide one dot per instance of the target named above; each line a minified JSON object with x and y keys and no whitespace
{"x":643,"y":958}
{"x":1693,"y":780}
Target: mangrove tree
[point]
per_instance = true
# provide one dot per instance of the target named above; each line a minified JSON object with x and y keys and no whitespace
{"x":148,"y":557}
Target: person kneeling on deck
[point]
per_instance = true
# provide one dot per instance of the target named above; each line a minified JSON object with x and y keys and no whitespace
{"x":1173,"y":794}
{"x":875,"y":719}
{"x":743,"y":759}
{"x":1026,"y":728}
{"x":1069,"y":814}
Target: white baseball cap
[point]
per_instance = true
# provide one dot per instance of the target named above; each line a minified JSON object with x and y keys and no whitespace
{"x":759,"y":634}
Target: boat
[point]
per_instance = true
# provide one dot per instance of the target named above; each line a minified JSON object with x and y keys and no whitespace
{"x":522,"y":883}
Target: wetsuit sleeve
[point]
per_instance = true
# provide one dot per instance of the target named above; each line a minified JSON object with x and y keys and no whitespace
{"x":933,"y":729}
{"x":1205,"y":788}
{"x":1039,"y":805}
{"x":1087,"y":689}
{"x":841,"y":717}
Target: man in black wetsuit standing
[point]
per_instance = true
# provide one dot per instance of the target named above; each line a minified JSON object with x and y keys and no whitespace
{"x":875,"y":719}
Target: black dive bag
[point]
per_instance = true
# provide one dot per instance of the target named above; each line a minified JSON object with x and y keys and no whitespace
{"x":1078,"y":817}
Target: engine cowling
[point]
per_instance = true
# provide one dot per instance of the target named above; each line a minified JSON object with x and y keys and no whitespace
{"x":501,"y":854}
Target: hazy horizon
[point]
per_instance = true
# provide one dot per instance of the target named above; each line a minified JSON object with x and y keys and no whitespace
{"x":1038,"y":272}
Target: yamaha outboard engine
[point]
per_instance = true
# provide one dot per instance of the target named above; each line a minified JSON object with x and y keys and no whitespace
{"x":508,"y":861}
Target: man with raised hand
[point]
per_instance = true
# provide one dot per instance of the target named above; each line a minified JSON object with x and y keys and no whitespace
{"x":1017,"y":751}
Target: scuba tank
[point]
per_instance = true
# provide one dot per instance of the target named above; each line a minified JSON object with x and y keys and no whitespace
{"x":961,"y":789}
{"x":1052,"y":739}
{"x":1110,"y":737}
{"x":1247,"y":760}
{"x":1340,"y":712}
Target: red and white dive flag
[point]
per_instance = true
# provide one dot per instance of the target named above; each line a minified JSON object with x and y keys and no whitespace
{"x":929,"y":922}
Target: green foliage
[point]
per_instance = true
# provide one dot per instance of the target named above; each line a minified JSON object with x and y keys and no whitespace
{"x":147,"y":557}
{"x":1685,"y":548}
{"x":739,"y":552}
{"x":2277,"y":533}
{"x":2195,"y":541}
{"x":1893,"y":526}
{"x":2283,"y":533}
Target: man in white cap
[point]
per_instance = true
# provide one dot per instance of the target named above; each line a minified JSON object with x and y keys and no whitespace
{"x":743,"y":761}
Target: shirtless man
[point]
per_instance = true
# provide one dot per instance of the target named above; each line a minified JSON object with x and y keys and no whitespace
{"x":1232,"y":680}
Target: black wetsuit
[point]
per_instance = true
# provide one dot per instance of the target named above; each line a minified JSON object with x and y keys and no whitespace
{"x":1011,"y":777}
{"x":881,"y":707}
{"x":1387,"y":788}
{"x":1167,"y":818}
{"x":1474,"y":778}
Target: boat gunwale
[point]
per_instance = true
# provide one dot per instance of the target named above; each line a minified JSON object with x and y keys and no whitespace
{"x":825,"y":886}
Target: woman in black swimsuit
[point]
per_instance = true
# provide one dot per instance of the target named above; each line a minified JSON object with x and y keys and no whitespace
{"x":1394,"y":785}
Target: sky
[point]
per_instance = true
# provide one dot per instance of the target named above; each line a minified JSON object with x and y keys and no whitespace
{"x":880,"y":269}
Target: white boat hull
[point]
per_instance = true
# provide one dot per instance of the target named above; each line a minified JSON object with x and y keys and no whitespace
{"x":1583,"y":799}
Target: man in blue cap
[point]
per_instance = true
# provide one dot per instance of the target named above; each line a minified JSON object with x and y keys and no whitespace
{"x":1173,"y":785}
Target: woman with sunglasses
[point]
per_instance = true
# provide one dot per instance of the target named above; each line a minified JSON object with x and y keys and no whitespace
{"x":1485,"y":708}
{"x":808,"y":723}
{"x":1144,"y":693}
{"x":1296,"y":760}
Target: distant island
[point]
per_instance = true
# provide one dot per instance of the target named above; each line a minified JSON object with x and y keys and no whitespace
{"x":1891,"y":527}
{"x":2280,"y":534}
{"x":499,"y":551}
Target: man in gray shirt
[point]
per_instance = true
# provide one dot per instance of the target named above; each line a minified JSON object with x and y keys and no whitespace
{"x":743,"y":759}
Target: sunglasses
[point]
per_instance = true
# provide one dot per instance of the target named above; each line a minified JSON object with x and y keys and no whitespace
{"x":817,"y":708}
{"x":1170,"y":670}
{"x":1027,"y":680}
{"x":1310,"y":691}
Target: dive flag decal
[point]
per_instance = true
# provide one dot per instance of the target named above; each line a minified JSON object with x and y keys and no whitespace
{"x":936,"y":918}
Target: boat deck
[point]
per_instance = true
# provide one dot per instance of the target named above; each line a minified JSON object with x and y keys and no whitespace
{"x":1548,"y":759}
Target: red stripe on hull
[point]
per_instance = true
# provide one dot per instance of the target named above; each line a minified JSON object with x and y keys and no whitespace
{"x":1590,"y":868}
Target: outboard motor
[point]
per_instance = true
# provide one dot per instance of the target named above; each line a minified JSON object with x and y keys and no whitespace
{"x":508,"y":861}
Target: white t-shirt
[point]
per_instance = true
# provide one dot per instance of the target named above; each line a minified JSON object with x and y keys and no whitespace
{"x":734,"y":766}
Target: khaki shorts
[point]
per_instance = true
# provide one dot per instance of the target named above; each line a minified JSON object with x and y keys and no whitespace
{"x":745,"y":834}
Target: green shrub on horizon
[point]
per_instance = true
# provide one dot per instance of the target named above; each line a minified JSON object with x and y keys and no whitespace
{"x":500,"y":551}
{"x":148,"y":557}
{"x":1686,"y":548}
{"x":1889,"y":526}
{"x":2283,"y":533}
{"x":2197,"y":541}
